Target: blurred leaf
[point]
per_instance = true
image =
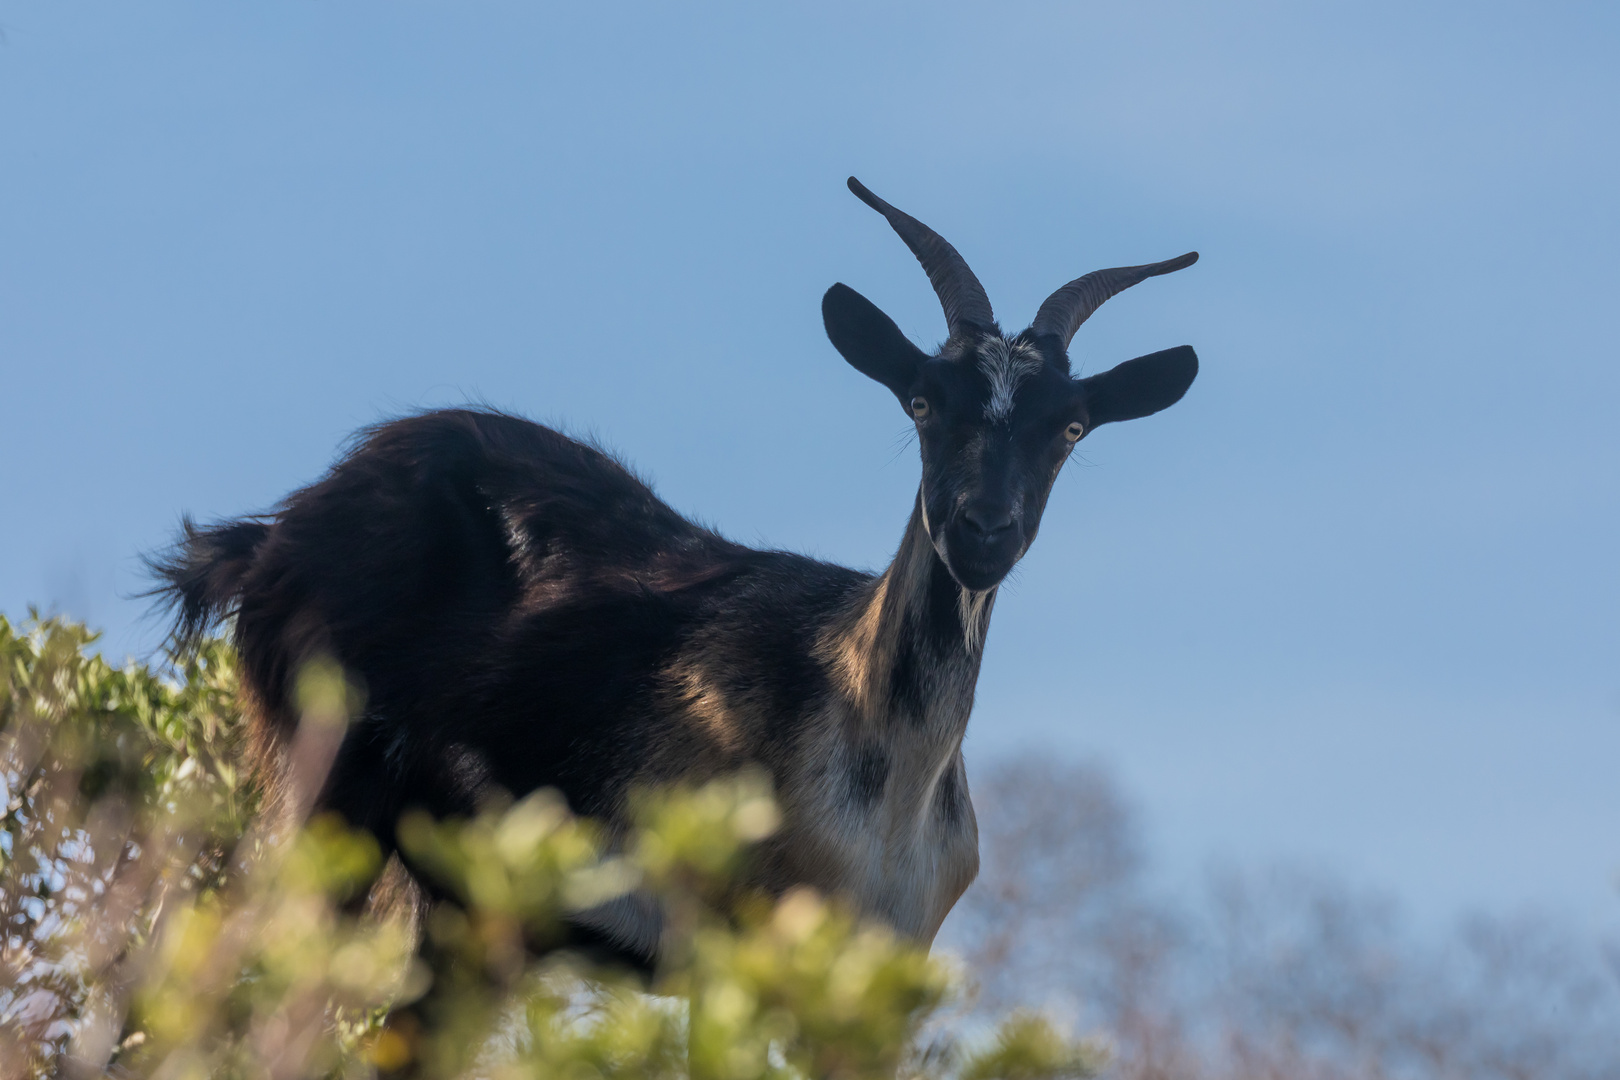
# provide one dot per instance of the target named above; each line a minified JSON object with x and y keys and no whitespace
{"x":152,"y":928}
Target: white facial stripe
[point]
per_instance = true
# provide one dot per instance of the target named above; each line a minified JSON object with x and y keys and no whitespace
{"x":1006,"y":365}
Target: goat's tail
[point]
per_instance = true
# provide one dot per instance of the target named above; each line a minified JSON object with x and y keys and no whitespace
{"x":202,"y":577}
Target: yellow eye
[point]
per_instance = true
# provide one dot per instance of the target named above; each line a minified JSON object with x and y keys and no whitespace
{"x":1074,"y":431}
{"x":919,"y":407}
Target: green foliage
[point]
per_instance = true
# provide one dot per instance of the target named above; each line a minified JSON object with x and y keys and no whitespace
{"x":80,"y":730}
{"x":154,"y":927}
{"x":119,"y":788}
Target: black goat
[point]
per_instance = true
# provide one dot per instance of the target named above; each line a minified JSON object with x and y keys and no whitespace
{"x":524,"y":612}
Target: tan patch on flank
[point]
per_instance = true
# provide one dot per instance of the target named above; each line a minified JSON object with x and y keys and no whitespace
{"x":859,"y":651}
{"x":849,"y":652}
{"x":703,"y":700}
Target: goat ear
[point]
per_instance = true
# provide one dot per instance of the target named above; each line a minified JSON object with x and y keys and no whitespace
{"x":1140,"y":387}
{"x":869,"y":339}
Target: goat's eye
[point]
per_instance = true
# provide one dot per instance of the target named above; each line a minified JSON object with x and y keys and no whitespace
{"x":919,"y":407}
{"x":1074,"y":431}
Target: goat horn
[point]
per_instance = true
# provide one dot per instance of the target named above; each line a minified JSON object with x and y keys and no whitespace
{"x":1066,"y":309}
{"x":960,"y":293}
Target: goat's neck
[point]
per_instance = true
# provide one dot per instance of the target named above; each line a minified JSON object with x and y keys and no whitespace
{"x":907,"y":652}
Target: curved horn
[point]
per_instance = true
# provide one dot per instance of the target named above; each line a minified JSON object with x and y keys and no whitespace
{"x":960,"y":293}
{"x":1066,"y":309}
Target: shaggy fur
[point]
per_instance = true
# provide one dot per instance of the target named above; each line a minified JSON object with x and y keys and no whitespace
{"x":523,"y":612}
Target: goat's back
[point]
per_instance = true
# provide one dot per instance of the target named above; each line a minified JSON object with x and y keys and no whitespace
{"x":513,"y":601}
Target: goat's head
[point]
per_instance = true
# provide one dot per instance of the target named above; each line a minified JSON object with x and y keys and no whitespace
{"x":997,"y":416}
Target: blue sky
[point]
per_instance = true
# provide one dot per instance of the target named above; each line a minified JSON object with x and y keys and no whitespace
{"x":1354,"y":601}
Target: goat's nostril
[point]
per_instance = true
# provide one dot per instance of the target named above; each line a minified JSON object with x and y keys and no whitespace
{"x":987,"y":522}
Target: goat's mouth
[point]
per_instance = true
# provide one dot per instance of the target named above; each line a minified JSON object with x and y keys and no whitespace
{"x":977,"y":579}
{"x":977,"y":562}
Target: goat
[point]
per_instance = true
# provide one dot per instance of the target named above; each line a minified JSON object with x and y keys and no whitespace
{"x":524,"y":612}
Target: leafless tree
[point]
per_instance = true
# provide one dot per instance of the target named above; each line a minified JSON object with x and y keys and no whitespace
{"x":1270,"y":974}
{"x":1059,"y":917}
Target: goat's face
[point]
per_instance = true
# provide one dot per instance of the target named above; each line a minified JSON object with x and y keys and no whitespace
{"x":996,"y":416}
{"x":996,"y":419}
{"x":995,"y":422}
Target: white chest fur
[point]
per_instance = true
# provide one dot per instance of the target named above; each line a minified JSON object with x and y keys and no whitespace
{"x":885,"y":821}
